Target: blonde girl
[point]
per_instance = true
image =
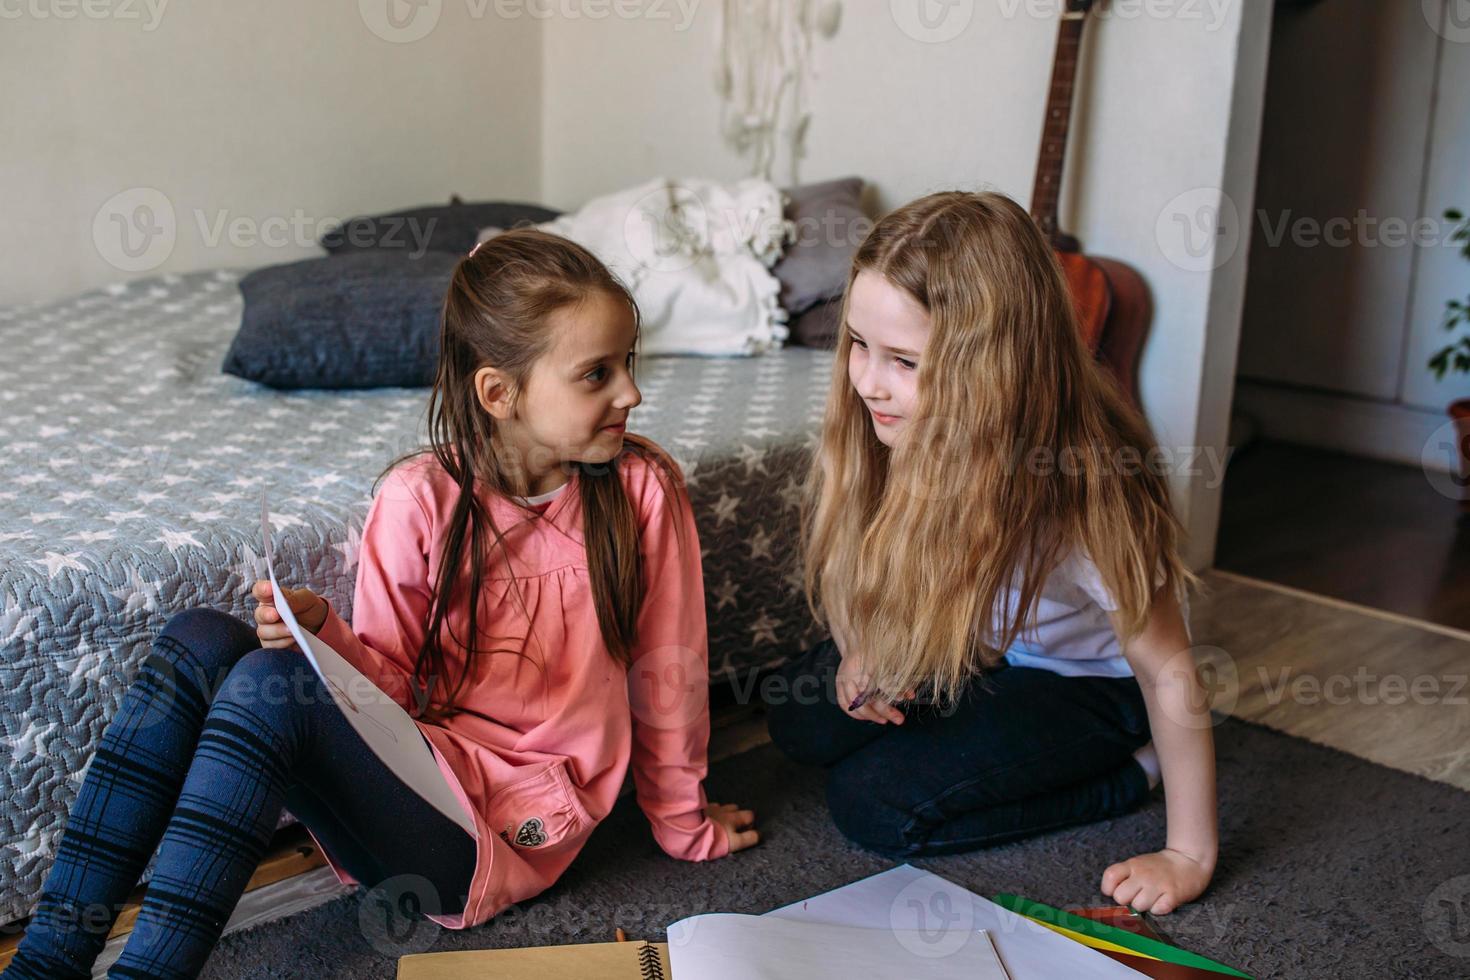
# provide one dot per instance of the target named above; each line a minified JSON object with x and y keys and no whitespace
{"x":997,"y":565}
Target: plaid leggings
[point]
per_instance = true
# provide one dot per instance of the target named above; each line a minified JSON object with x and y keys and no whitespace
{"x":212,"y":738}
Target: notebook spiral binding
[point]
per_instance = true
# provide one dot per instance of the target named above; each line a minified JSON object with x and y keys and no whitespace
{"x":650,"y":967}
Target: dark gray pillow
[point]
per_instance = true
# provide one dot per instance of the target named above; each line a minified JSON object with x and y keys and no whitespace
{"x":449,"y":227}
{"x":364,"y":320}
{"x":818,"y":326}
{"x":830,"y":224}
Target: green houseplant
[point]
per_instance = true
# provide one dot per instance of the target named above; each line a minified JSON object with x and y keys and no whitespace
{"x":1455,"y":356}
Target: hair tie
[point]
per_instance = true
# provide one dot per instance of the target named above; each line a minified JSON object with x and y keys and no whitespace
{"x":475,"y":249}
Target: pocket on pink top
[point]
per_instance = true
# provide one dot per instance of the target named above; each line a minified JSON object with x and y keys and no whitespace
{"x":539,"y":811}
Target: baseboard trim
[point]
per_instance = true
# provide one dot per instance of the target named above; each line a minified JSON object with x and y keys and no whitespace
{"x":1383,"y":614}
{"x":1378,"y":430}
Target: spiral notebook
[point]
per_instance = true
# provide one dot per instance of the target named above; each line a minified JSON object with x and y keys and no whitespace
{"x":591,"y":961}
{"x":925,"y":914}
{"x":729,"y":947}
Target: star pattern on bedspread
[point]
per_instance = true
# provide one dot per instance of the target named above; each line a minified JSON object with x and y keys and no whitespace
{"x":132,"y":478}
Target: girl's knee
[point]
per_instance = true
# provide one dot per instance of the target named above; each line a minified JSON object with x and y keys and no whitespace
{"x":862,"y":816}
{"x":792,"y":731}
{"x":799,"y":703}
{"x":275,"y":687}
{"x":212,"y":638}
{"x":795,"y":730}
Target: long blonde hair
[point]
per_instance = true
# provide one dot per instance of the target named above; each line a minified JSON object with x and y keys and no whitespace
{"x":913,"y":550}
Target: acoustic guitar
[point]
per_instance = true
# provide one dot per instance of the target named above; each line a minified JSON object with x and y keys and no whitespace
{"x":1113,"y":301}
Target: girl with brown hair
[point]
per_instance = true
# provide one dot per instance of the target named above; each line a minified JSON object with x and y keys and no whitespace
{"x":529,"y":588}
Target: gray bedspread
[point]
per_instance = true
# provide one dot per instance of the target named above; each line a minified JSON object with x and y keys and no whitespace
{"x":131,"y":471}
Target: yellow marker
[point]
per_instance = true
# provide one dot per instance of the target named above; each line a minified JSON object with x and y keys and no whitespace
{"x":1091,"y":941}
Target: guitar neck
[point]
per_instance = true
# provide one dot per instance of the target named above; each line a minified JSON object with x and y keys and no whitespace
{"x":1046,"y":194}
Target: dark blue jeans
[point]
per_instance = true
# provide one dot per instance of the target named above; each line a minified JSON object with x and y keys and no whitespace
{"x":213,"y":736}
{"x":1021,"y":752}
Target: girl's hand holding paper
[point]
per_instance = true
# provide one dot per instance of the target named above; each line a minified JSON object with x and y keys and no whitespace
{"x":309,"y":608}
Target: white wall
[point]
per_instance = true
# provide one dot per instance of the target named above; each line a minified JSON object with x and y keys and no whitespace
{"x":277,"y":111}
{"x":1367,"y":125}
{"x":1169,"y":120}
{"x":298,"y":111}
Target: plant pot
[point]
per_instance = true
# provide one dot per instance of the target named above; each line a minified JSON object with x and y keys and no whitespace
{"x":1460,"y":412}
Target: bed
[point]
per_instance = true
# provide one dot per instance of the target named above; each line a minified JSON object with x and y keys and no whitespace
{"x":132,"y":476}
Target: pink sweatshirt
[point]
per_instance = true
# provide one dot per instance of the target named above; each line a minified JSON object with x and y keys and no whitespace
{"x":542,"y":744}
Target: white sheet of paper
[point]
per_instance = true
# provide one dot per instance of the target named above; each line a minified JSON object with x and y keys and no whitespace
{"x":908,"y":898}
{"x":383,"y":724}
{"x":756,"y":947}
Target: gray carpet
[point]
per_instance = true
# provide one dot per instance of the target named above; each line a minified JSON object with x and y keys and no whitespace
{"x":1331,"y":867}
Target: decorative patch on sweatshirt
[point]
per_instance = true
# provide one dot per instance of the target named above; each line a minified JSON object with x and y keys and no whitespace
{"x":532,"y":833}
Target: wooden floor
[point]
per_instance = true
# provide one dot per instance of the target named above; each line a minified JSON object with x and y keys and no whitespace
{"x":1378,"y":685}
{"x":1372,"y":533}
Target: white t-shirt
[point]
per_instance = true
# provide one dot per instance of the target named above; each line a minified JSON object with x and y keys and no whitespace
{"x":1071,"y":633}
{"x":542,"y":498}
